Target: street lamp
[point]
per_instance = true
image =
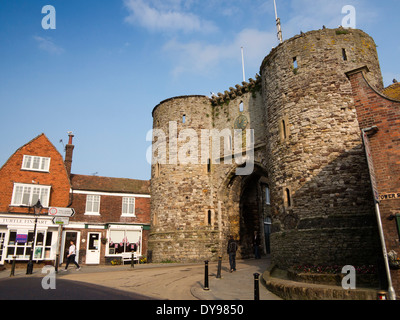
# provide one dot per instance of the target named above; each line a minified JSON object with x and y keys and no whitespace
{"x":37,"y":209}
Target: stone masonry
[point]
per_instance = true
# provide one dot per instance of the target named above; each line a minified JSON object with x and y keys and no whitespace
{"x":308,"y":153}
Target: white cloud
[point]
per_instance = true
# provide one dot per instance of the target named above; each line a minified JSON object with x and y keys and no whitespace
{"x":164,"y":16}
{"x":202,"y":58}
{"x":47,"y":44}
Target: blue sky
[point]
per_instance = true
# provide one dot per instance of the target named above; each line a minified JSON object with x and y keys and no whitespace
{"x":107,"y":64}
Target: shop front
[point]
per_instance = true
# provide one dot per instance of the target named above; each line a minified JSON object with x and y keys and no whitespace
{"x":102,"y":243}
{"x":124,"y":239}
{"x":17,"y":235}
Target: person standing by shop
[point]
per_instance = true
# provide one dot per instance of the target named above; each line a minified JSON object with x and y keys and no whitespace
{"x":71,"y":256}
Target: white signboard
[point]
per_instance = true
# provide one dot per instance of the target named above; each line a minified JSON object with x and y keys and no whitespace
{"x":61,"y":212}
{"x":61,"y":220}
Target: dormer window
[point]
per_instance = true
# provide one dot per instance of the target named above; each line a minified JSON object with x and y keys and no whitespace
{"x":35,"y":163}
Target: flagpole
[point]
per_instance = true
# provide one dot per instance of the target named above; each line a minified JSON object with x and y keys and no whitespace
{"x":244,"y":76}
{"x":278,"y":24}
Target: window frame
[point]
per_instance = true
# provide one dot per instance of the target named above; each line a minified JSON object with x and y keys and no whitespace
{"x":42,"y":162}
{"x":91,"y":212}
{"x":14,"y":198}
{"x":128,"y":204}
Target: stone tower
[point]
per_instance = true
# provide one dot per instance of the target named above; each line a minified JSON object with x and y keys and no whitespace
{"x":308,"y":193}
{"x":321,"y":199}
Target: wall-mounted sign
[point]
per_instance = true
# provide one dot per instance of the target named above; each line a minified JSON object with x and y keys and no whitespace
{"x":22,"y":236}
{"x":61,"y":212}
{"x":389,"y":196}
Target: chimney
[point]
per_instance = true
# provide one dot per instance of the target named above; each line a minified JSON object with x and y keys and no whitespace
{"x":69,"y":149}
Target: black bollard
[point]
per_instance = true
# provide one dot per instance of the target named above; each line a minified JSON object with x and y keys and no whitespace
{"x":256,"y":286}
{"x":132,"y":260}
{"x":56,"y":262}
{"x":219,"y":267}
{"x":206,"y":276}
{"x":13,"y":267}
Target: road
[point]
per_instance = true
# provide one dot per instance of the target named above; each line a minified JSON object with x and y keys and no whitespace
{"x":160,"y":282}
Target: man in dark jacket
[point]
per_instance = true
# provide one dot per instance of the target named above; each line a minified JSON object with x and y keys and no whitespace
{"x":231,"y":250}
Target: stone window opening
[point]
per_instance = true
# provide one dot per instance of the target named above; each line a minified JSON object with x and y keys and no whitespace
{"x":267,"y":195}
{"x":241,"y":107}
{"x":209,"y":217}
{"x":344,"y":54}
{"x":287,"y":198}
{"x":295,"y":66}
{"x":284,"y":129}
{"x":208,"y":165}
{"x":157,"y":170}
{"x":184,"y":118}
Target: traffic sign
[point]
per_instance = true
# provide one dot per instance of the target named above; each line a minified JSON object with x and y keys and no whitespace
{"x":61,"y":212}
{"x":61,"y":220}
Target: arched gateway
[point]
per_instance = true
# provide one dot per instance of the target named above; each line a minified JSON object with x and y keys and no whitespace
{"x":308,"y":181}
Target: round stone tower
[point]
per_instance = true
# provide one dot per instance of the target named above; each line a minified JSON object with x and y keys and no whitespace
{"x":182,"y":221}
{"x":321,"y":200}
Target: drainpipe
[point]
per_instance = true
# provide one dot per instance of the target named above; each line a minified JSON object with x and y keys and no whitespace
{"x":374,"y":129}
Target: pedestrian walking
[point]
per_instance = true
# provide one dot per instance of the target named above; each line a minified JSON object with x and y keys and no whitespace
{"x":256,"y":245}
{"x":71,"y":256}
{"x":232,"y":248}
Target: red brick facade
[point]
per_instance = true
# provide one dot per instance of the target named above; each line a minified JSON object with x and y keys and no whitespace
{"x":375,"y":109}
{"x":38,"y":166}
{"x":111,"y":192}
{"x":56,"y":177}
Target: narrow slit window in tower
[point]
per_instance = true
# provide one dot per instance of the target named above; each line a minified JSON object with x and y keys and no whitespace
{"x":241,"y":108}
{"x":295,"y":65}
{"x":344,"y":54}
{"x":287,"y":196}
{"x":209,"y":217}
{"x":284,"y":130}
{"x":184,"y":118}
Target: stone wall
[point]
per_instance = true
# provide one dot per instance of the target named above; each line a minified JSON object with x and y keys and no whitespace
{"x":320,"y":188}
{"x":308,"y":149}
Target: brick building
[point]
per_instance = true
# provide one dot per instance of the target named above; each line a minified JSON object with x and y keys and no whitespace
{"x":112,"y":215}
{"x":380,"y":113}
{"x":35,"y":171}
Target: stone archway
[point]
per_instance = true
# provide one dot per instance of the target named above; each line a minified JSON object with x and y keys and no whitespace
{"x":244,"y":197}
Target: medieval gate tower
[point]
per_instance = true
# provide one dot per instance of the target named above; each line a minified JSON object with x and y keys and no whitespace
{"x":309,"y":186}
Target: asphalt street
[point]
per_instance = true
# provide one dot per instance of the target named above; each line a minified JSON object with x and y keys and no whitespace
{"x":147,"y":281}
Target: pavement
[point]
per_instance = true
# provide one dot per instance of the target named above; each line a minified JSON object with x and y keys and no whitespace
{"x":173,"y":281}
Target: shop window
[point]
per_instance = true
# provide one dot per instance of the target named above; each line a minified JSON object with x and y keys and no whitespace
{"x":92,"y":204}
{"x":121,"y":241}
{"x":20,"y":246}
{"x":29,"y":194}
{"x":36,"y":163}
{"x":128,"y":206}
